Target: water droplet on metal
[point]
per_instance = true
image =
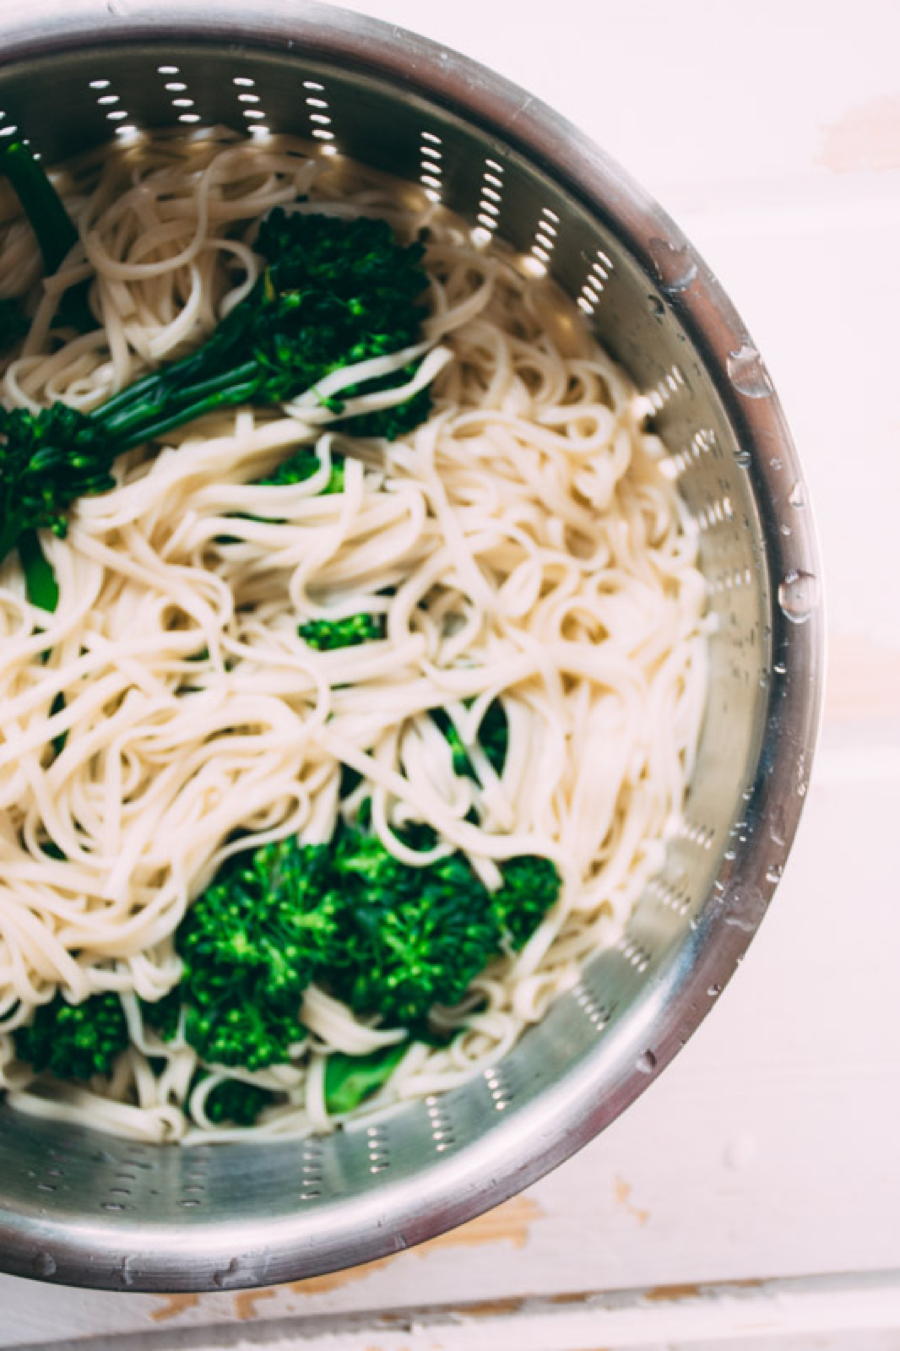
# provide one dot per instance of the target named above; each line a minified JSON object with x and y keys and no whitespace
{"x":797,"y":596}
{"x":775,"y":462}
{"x":779,"y":668}
{"x":746,"y":926}
{"x":797,"y":495}
{"x":742,"y":457}
{"x":43,"y":1264}
{"x":675,"y":267}
{"x":773,"y":874}
{"x":714,"y":990}
{"x":747,"y":373}
{"x":646,"y":1063}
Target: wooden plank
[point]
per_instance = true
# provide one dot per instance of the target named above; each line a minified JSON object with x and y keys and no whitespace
{"x":810,"y":1314}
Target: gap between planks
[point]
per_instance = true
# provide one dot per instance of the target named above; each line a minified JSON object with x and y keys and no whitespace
{"x":846,"y":1310}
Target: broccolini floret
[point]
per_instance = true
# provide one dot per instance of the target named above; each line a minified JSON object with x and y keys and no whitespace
{"x":74,"y":1041}
{"x":327,"y":634}
{"x":334,"y":292}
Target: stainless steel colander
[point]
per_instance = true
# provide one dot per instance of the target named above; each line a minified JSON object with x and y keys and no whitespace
{"x":90,"y":1210}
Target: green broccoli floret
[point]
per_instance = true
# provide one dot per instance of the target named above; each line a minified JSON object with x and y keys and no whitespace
{"x":250,"y":945}
{"x":236,"y":1103}
{"x":270,"y":918}
{"x":417,"y":936}
{"x":333,"y":292}
{"x":389,"y":939}
{"x":530,"y":887}
{"x":300,"y":466}
{"x":350,"y":1079}
{"x":327,"y":634}
{"x":247,"y":1034}
{"x":74,"y":1041}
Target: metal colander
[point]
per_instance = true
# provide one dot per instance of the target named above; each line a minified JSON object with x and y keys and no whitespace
{"x":87,"y":1209}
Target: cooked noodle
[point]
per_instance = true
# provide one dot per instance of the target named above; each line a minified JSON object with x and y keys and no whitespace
{"x":536,"y":551}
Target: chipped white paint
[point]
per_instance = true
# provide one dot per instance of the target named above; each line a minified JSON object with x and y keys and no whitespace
{"x":769,"y":1148}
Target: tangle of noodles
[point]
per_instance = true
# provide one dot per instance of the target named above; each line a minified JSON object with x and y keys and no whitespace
{"x":537,"y":552}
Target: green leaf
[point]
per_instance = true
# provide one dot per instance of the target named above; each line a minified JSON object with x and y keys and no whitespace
{"x":350,"y":1079}
{"x":41,"y":586}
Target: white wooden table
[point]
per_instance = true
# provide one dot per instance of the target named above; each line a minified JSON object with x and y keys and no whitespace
{"x":752,"y":1196}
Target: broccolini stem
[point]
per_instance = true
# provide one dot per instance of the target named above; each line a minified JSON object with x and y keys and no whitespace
{"x":139,"y":420}
{"x":53,"y":227}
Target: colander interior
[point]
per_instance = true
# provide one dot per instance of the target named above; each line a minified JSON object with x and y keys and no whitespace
{"x":85,"y":1208}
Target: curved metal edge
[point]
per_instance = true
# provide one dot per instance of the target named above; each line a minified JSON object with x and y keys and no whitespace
{"x":565,"y":1119}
